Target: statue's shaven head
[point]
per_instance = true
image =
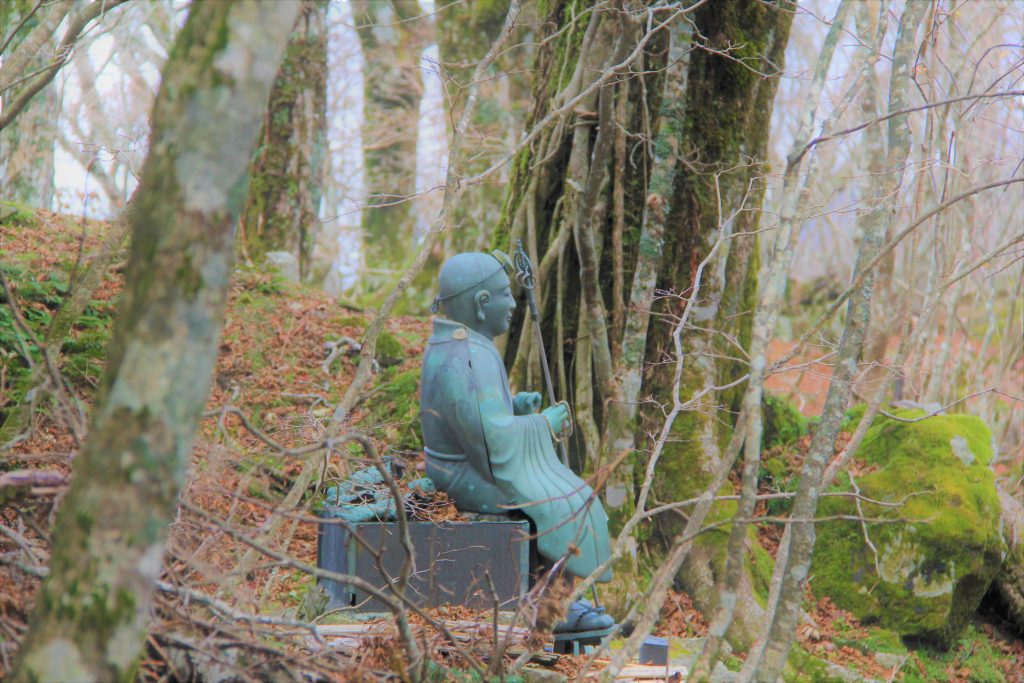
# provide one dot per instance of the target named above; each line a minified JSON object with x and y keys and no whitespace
{"x":475,"y":291}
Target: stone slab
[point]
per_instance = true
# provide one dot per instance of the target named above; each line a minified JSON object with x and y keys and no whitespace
{"x":455,"y":562}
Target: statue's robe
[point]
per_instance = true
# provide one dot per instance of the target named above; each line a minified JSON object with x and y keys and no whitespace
{"x":488,"y":459}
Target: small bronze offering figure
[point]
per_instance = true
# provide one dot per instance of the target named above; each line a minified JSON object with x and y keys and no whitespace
{"x":492,"y":452}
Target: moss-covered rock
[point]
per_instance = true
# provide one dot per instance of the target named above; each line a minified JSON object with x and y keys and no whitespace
{"x":15,"y":215}
{"x":389,"y":350}
{"x":1008,"y":588}
{"x":393,"y":412}
{"x":931,"y":571}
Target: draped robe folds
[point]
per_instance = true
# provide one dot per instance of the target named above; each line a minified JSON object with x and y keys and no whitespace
{"x":488,"y":459}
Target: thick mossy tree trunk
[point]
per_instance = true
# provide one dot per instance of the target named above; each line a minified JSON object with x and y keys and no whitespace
{"x":90,"y":616}
{"x":567,"y":194}
{"x":717,"y":195}
{"x":392,"y":39}
{"x":283,"y":209}
{"x":27,"y":145}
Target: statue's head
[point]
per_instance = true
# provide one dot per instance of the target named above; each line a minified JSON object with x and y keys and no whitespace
{"x":476,"y":291}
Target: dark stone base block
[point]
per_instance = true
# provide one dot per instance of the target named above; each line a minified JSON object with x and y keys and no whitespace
{"x":453,"y":561}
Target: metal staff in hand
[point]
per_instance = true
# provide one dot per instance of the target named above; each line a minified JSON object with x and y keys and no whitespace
{"x":526,"y":279}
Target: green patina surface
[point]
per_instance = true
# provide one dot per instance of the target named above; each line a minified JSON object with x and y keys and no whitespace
{"x":932,"y":570}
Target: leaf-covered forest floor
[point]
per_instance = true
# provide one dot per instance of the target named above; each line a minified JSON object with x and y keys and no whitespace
{"x":271,"y":367}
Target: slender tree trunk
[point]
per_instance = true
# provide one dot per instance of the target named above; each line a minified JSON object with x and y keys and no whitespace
{"x":884,"y":188}
{"x":717,"y":192}
{"x":26,"y":152}
{"x":392,"y":40}
{"x":619,"y":439}
{"x":91,"y":613}
{"x":283,"y":209}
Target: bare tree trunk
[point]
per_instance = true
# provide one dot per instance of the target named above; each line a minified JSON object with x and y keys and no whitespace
{"x":619,"y":438}
{"x":392,"y":39}
{"x":884,"y":188}
{"x":26,"y":152}
{"x":283,"y":209}
{"x":92,"y":611}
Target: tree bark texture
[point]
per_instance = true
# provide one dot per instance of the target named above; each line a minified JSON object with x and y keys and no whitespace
{"x":392,"y":40}
{"x":283,"y":209}
{"x":716,"y":193}
{"x":90,"y":616}
{"x":884,"y":188}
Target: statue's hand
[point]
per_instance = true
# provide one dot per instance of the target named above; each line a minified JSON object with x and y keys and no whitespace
{"x":526,"y":403}
{"x":557,"y":416}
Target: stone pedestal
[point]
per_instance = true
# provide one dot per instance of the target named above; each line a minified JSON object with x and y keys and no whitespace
{"x":453,"y":561}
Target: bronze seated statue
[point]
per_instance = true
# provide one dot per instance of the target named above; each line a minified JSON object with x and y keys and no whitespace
{"x":492,"y":452}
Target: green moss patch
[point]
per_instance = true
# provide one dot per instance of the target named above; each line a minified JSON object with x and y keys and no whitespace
{"x":971,"y":657}
{"x":17,"y":215}
{"x":931,"y":570}
{"x":39,"y":297}
{"x":389,"y":350}
{"x":783,"y":422}
{"x":393,"y":411}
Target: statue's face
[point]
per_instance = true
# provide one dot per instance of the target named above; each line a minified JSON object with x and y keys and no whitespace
{"x":496,"y":304}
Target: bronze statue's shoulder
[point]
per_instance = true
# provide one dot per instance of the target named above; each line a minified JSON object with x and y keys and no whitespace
{"x":447,"y":331}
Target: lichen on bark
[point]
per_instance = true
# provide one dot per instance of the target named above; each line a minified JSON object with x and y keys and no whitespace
{"x":93,"y":608}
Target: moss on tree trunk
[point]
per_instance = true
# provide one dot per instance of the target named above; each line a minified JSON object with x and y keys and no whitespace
{"x":91,"y":614}
{"x":726,"y":127}
{"x":542,"y":205}
{"x":282,"y":211}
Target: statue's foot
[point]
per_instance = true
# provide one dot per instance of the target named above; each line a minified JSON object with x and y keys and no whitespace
{"x":583,"y":616}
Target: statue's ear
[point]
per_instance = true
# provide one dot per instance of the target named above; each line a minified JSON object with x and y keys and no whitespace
{"x":479,"y":300}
